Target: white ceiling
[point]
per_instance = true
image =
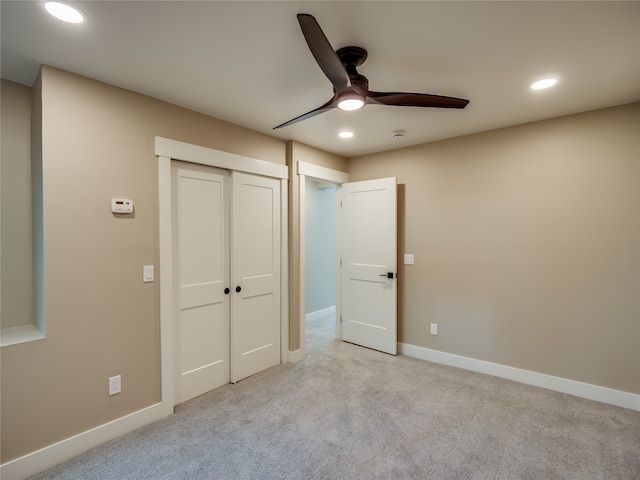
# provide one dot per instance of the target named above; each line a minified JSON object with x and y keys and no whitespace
{"x":248,"y":63}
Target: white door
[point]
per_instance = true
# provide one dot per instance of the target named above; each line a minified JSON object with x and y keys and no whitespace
{"x":368,"y":277}
{"x":255,"y":264}
{"x":201,"y":325}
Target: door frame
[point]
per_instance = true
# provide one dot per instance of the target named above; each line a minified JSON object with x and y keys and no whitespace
{"x":315,"y":172}
{"x":167,"y":150}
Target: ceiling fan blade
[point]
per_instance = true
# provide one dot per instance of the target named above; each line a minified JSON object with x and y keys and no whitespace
{"x":327,"y":106}
{"x":414,"y":100}
{"x":323,"y":52}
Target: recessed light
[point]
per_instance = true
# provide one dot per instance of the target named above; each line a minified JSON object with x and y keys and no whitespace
{"x":544,"y":83}
{"x":64,"y":12}
{"x":345,"y":134}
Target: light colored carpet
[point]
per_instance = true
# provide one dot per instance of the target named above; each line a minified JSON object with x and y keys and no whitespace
{"x":347,"y":412}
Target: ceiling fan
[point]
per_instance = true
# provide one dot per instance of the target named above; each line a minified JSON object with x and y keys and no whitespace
{"x":351,"y":90}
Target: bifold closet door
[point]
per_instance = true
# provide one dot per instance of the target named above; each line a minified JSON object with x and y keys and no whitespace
{"x":255,"y":273}
{"x":201,"y":324}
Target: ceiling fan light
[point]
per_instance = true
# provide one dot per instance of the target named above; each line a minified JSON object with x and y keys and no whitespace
{"x":350,"y":102}
{"x":64,"y":12}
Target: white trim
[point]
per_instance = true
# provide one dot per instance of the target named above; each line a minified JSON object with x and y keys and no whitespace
{"x":302,"y":271}
{"x":557,"y":384}
{"x":284,"y":274}
{"x":166,"y":283}
{"x":296,"y":356}
{"x":166,"y":151}
{"x":322,"y":173}
{"x":51,"y":455}
{"x":324,"y":312}
{"x":165,"y":147}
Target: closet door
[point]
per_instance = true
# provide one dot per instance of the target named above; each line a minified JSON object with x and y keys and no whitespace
{"x":255,"y":266}
{"x":201,"y":323}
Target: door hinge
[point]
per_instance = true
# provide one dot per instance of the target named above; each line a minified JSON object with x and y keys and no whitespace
{"x":340,"y":262}
{"x":341,"y":204}
{"x":340,"y":318}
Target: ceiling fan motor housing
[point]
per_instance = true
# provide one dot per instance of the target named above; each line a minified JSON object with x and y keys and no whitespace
{"x":352,"y":56}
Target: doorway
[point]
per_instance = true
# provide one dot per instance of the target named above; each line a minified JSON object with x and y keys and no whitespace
{"x":368,"y":272}
{"x":321,"y":259}
{"x":319,"y":178}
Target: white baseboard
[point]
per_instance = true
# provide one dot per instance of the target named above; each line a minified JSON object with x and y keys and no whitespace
{"x":40,"y":460}
{"x":325,"y":312}
{"x":563,"y":385}
{"x":296,"y":356}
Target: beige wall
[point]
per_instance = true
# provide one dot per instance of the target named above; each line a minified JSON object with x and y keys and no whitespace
{"x":527,"y":245}
{"x":298,"y":152}
{"x":15,"y":176}
{"x":101,"y":320}
{"x":526,"y":242}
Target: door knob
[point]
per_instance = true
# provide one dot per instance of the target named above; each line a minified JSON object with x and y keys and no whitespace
{"x":388,"y":275}
{"x":226,"y":291}
{"x":238,"y":288}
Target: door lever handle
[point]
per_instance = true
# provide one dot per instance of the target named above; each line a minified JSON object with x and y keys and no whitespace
{"x":388,"y":275}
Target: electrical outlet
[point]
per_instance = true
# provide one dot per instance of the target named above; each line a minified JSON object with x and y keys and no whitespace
{"x":434,"y":329}
{"x":115,"y":385}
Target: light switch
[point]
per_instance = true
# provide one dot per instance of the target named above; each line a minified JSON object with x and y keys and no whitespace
{"x":147,"y":273}
{"x":408,"y":259}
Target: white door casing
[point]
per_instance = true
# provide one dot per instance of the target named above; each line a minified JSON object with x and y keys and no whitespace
{"x":369,"y":255}
{"x":168,"y":151}
{"x":255,"y":264}
{"x":201,"y":330}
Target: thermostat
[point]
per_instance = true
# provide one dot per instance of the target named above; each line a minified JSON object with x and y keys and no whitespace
{"x":121,"y":205}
